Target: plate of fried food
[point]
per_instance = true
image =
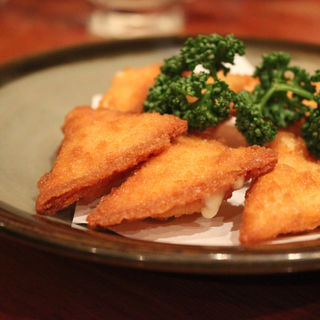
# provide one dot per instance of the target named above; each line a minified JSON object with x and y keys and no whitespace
{"x":196,"y":155}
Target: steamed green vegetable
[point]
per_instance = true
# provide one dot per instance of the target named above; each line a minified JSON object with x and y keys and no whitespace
{"x":311,"y":129}
{"x":278,"y":101}
{"x":190,"y":96}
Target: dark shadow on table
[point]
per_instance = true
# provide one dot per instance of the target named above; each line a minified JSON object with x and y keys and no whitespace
{"x":40,"y":285}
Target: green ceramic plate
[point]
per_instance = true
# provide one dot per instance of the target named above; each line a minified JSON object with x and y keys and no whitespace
{"x":35,"y":95}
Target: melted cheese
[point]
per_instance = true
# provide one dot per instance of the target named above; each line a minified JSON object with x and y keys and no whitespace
{"x":213,"y":203}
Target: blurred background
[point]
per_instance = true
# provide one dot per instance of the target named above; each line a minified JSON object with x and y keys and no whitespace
{"x":29,"y":26}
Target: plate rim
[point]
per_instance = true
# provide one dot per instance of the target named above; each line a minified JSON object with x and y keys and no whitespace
{"x":257,"y":259}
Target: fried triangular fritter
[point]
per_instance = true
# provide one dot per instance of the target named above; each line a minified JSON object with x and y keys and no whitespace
{"x":129,"y":88}
{"x":286,"y":200}
{"x":179,"y":180}
{"x":98,"y":144}
{"x":238,"y":82}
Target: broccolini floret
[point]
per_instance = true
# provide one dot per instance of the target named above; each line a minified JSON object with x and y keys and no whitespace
{"x":277,"y":101}
{"x":204,"y":100}
{"x":311,"y":129}
{"x":250,"y":120}
{"x":192,"y":97}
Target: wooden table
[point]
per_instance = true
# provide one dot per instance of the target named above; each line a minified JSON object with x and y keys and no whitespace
{"x":28,"y":26}
{"x":41,"y":285}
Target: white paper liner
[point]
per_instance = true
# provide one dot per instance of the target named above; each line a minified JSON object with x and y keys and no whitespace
{"x":95,"y":100}
{"x":223,"y":229}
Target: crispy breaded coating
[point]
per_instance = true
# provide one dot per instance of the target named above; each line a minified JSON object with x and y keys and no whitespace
{"x":129,"y":88}
{"x":97,"y":145}
{"x":238,"y":82}
{"x":180,"y":178}
{"x":226,"y":133}
{"x":312,"y":103}
{"x":286,"y":200}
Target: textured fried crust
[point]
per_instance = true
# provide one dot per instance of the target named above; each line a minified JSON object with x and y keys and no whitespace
{"x":184,"y":174}
{"x":312,"y":103}
{"x":286,"y":200}
{"x":238,"y":82}
{"x":104,"y":187}
{"x":97,"y":145}
{"x":129,"y":88}
{"x":226,"y":133}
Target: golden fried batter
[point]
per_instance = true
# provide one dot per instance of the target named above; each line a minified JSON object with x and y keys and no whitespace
{"x":129,"y":88}
{"x":312,"y":103}
{"x":238,"y":82}
{"x":286,"y":200}
{"x":98,"y":144}
{"x":226,"y":133}
{"x":179,"y":179}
